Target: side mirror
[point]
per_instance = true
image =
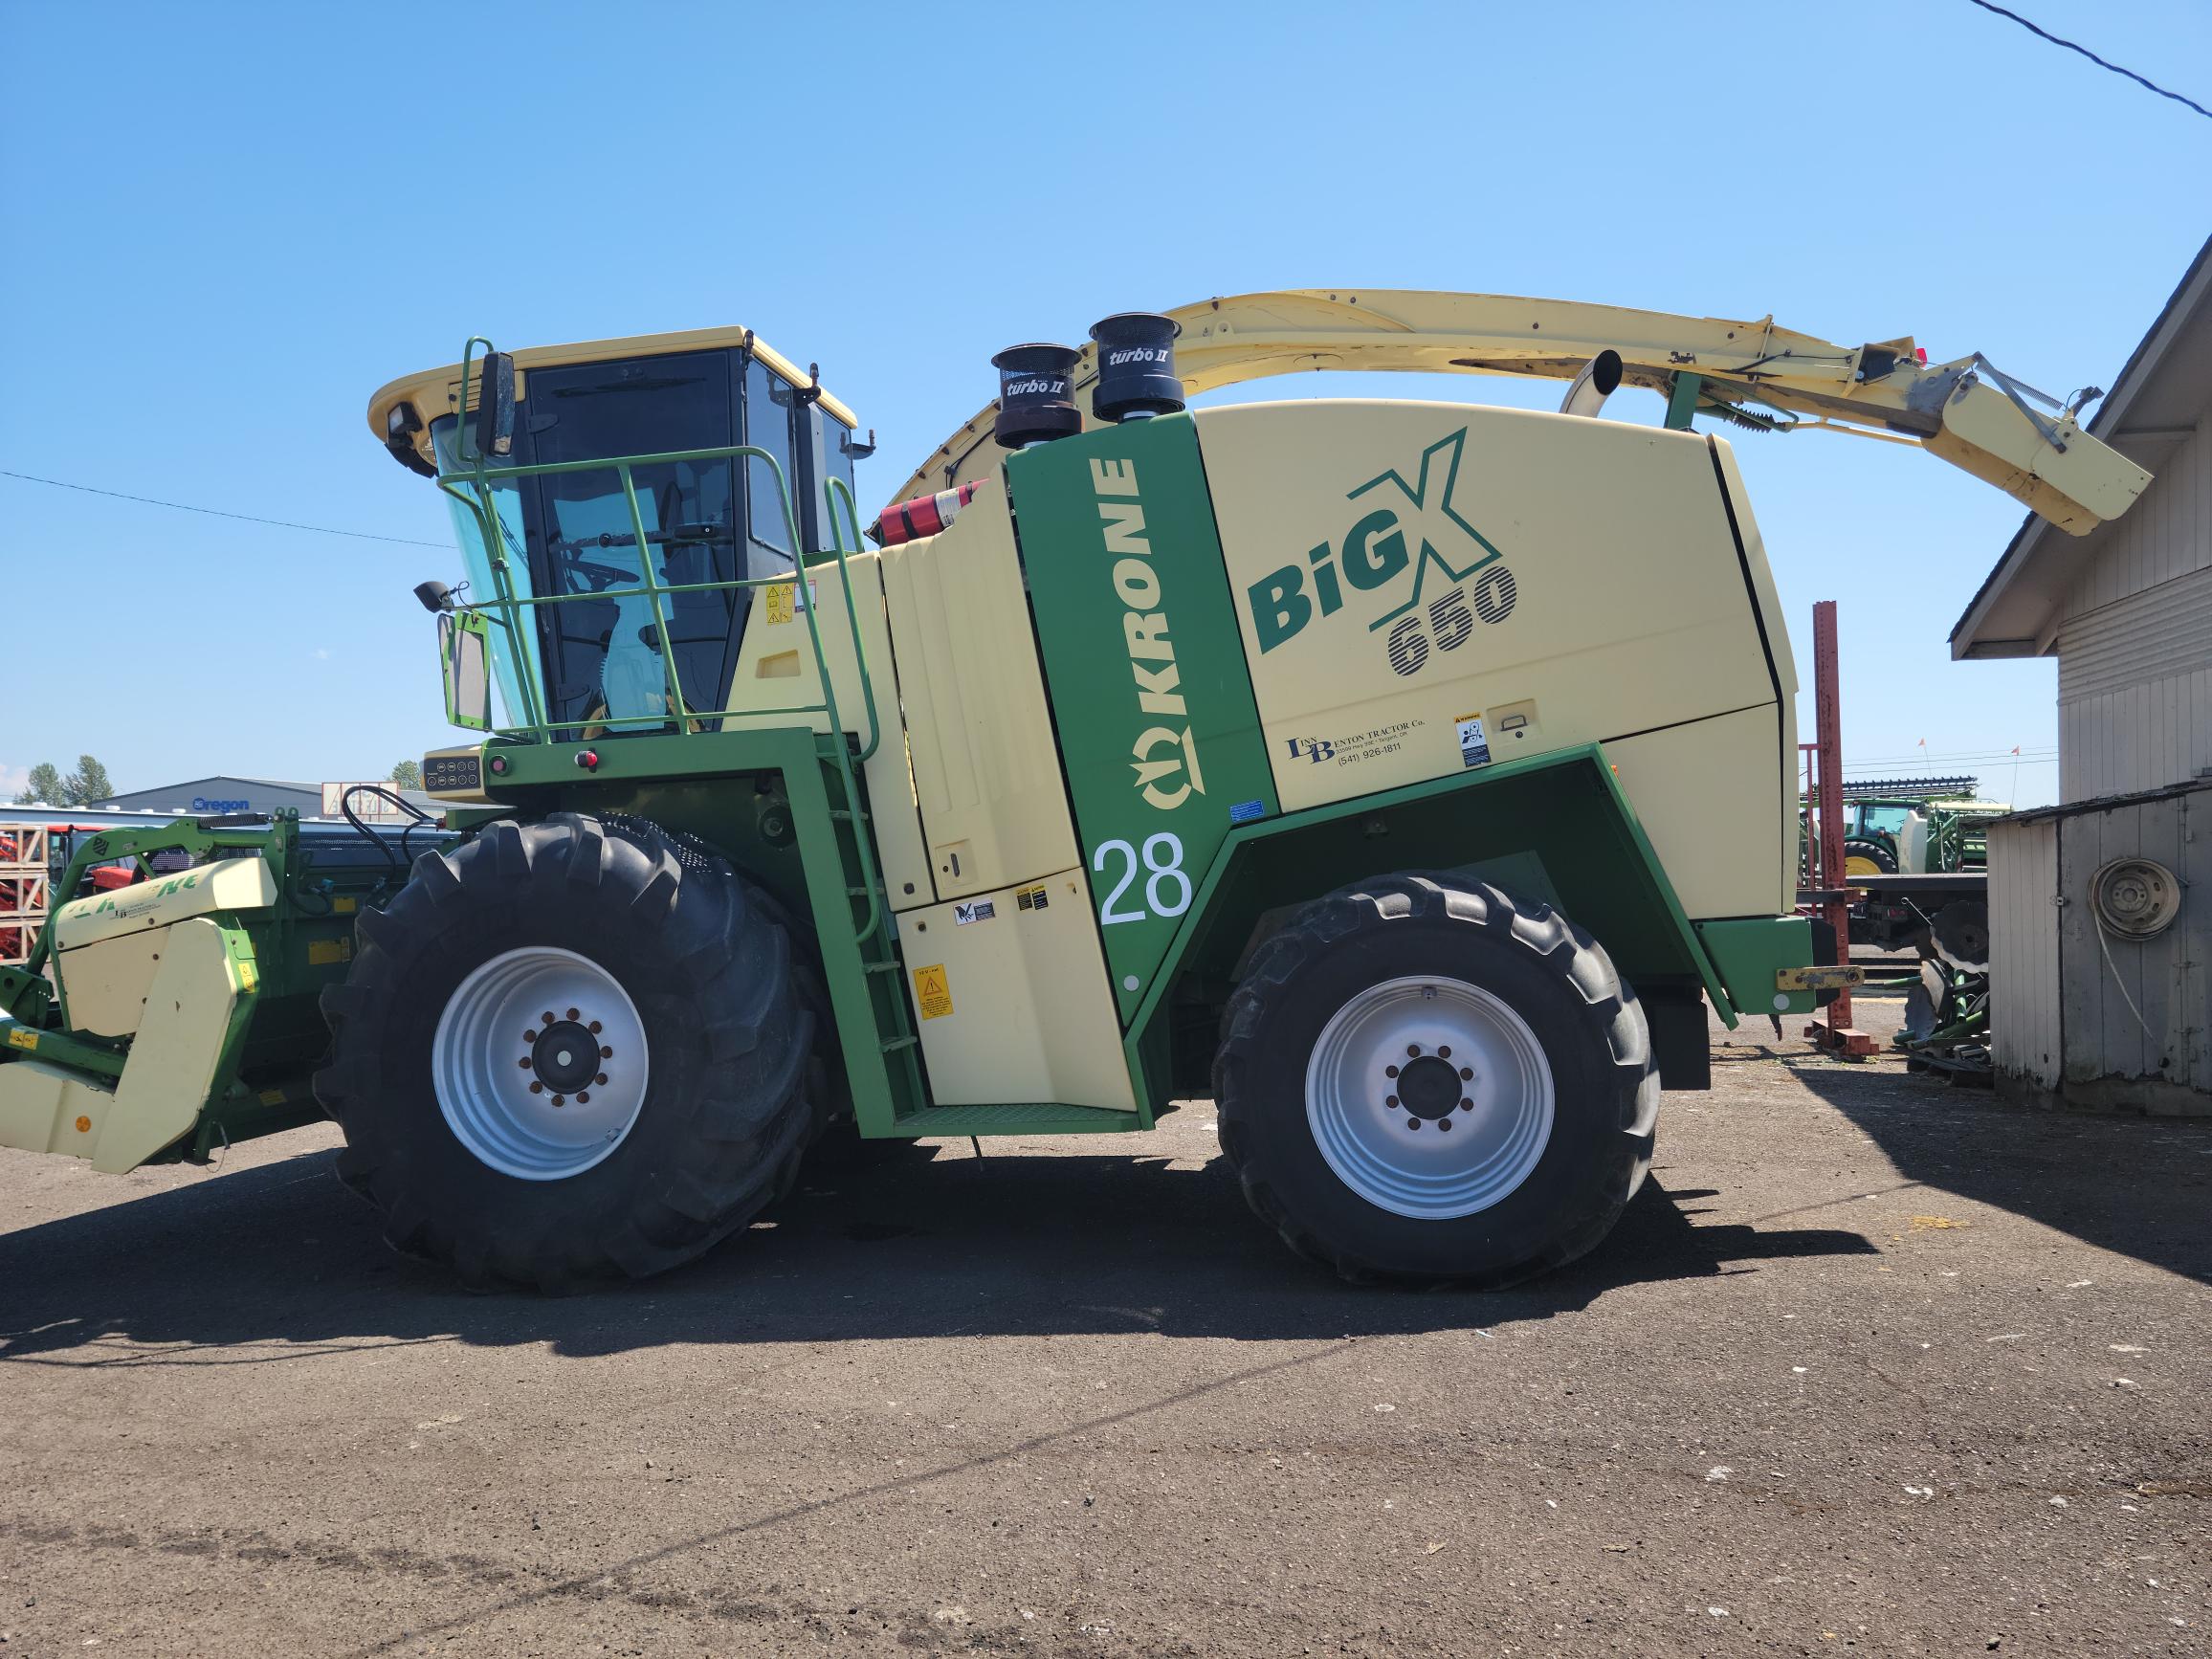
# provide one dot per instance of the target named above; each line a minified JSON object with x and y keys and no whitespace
{"x":496,"y":407}
{"x":464,"y":645}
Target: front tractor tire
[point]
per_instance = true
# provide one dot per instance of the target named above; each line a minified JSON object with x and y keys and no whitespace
{"x":570,"y":1051}
{"x":1424,"y":1077}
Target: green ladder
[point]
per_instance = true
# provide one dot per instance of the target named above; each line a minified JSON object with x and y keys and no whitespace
{"x":887,"y":1084}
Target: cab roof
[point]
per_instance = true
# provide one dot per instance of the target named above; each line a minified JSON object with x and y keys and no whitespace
{"x":436,"y":393}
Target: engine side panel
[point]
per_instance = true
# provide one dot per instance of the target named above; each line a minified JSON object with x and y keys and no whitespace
{"x":1426,"y":589}
{"x":994,"y":810}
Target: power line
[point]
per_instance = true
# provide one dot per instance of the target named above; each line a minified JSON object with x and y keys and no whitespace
{"x":2071,"y":46}
{"x":218,"y":513}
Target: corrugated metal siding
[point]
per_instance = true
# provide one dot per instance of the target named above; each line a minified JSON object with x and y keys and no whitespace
{"x":2137,"y":737}
{"x":2136,"y":1009}
{"x":2155,"y":635}
{"x":2023,"y":950}
{"x":2135,"y":640}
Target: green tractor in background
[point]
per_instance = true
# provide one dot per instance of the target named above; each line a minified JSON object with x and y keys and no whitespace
{"x":1920,"y":826}
{"x":1918,"y":851}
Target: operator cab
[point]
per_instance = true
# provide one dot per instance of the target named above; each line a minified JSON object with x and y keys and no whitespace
{"x":596,"y":662}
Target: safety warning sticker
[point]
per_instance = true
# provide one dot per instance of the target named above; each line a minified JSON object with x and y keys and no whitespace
{"x":1473,"y":745}
{"x":981,"y":909}
{"x":932,"y":991}
{"x":1032,"y":898}
{"x":22,"y":1037}
{"x":785,"y":600}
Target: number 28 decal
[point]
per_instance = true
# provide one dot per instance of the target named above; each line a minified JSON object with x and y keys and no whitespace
{"x":1162,"y":860}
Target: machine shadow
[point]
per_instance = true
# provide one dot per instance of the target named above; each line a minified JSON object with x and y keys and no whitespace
{"x":2135,"y":1185}
{"x":278,"y":1264}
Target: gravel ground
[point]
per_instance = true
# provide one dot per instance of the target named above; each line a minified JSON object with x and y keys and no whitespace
{"x":1871,"y":1365}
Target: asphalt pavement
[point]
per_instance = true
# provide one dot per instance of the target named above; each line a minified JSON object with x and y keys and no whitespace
{"x":1874,"y":1364}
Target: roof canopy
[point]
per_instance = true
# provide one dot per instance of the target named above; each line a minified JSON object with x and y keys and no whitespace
{"x":438,"y":391}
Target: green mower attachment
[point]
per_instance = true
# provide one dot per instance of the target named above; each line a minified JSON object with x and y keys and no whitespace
{"x":169,"y":1006}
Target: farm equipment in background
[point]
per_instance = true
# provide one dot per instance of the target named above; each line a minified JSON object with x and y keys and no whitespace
{"x":1915,"y":857}
{"x":1356,"y":764}
{"x":1945,"y":1030}
{"x":169,"y":1002}
{"x":1916,"y":826}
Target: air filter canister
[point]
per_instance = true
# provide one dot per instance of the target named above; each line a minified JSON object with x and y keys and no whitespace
{"x":1136,"y":366}
{"x":1036,"y":395}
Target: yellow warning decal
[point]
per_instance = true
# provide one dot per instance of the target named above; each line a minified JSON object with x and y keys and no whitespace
{"x":932,"y":991}
{"x":343,"y":906}
{"x":23,"y":1037}
{"x":780,"y":598}
{"x":272,"y":1097}
{"x":248,"y":977}
{"x":323,"y":952}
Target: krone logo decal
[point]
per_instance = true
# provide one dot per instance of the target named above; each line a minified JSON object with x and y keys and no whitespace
{"x":1160,"y":751}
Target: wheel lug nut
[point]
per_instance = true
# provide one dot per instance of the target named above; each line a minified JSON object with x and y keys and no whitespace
{"x":1390,"y":1071}
{"x":1466,"y":1073}
{"x":582,"y":1098}
{"x":536,"y":1087}
{"x":1412,"y":1122}
{"x":560,"y":1100}
{"x":1465,"y":1104}
{"x":601,"y":1079}
{"x":548,"y":1016}
{"x":524,"y":1062}
{"x":1389,"y":1099}
{"x":572,"y":1014}
{"x":593,"y":1028}
{"x":1445,"y":1052}
{"x":1414,"y":1047}
{"x":607,"y":1053}
{"x":1444,"y":1123}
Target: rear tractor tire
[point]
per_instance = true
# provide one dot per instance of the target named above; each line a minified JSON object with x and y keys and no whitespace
{"x":1424,"y":1077}
{"x":570,"y":1051}
{"x":1867,"y":858}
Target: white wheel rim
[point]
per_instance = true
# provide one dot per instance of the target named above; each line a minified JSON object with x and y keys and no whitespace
{"x":1376,"y":1100}
{"x":579,"y":1031}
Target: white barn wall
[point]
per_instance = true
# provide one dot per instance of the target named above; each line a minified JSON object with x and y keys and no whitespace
{"x":2135,"y":640}
{"x":2024,"y":952}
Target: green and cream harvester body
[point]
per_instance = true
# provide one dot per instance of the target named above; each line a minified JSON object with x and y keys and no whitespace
{"x":1407,"y":778}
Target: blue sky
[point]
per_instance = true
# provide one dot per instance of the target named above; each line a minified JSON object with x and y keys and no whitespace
{"x":226,"y":225}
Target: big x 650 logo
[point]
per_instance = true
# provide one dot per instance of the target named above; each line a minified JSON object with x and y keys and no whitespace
{"x":1415,"y":530}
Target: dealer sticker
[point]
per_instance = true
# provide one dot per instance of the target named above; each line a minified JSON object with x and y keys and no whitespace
{"x":1473,"y":745}
{"x":981,"y":909}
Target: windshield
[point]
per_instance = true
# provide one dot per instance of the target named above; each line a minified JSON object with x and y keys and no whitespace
{"x":572,"y":534}
{"x":477,"y":566}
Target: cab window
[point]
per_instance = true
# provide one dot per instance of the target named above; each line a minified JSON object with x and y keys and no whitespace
{"x":770,"y":401}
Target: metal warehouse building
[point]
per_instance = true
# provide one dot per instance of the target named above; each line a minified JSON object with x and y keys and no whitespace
{"x":2101,"y":907}
{"x":205,"y":795}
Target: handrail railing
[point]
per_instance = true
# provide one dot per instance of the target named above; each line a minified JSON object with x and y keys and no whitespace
{"x":472,"y":487}
{"x":509,"y":608}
